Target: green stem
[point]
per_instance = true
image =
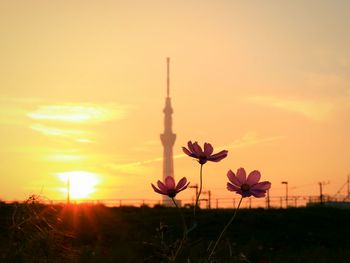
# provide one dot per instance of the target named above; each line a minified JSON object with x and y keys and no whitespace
{"x":225,"y":228}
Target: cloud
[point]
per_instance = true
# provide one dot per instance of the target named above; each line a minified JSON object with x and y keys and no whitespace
{"x":78,"y":113}
{"x":80,"y":136}
{"x":16,"y":110}
{"x":251,"y":139}
{"x":56,"y":131}
{"x":64,"y":157}
{"x":315,"y":110}
{"x":128,"y":166}
{"x":248,"y":139}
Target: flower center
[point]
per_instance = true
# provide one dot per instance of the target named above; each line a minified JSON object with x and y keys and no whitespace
{"x":245,"y":187}
{"x":171,"y":193}
{"x":202,"y":159}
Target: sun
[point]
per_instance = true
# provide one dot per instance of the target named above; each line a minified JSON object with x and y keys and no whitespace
{"x":80,"y":184}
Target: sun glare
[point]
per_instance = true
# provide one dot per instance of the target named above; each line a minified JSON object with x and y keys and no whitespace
{"x":81,"y":183}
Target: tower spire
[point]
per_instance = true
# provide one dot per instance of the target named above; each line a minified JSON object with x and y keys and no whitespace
{"x":168,"y":77}
{"x":168,"y":138}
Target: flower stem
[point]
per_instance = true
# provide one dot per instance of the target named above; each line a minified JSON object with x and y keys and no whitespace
{"x":200,"y":191}
{"x":184,"y":233}
{"x":224,"y":230}
{"x":182,"y":217}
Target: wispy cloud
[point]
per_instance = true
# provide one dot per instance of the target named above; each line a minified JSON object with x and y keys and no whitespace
{"x":63,"y":119}
{"x":17,"y":110}
{"x":64,"y":157}
{"x":51,"y":131}
{"x":315,"y":110}
{"x":81,"y":136}
{"x":78,"y":113}
{"x":128,"y":166}
{"x":248,"y":139}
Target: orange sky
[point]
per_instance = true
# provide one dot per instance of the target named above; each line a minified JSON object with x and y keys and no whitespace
{"x":82,"y":88}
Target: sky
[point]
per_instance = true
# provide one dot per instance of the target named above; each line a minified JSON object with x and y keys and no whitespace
{"x":83,"y":86}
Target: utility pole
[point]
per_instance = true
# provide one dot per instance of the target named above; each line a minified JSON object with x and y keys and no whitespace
{"x":286,"y":183}
{"x":321,"y":184}
{"x":209,"y":198}
{"x":348,"y":197}
{"x":321,"y":195}
{"x":268,"y":199}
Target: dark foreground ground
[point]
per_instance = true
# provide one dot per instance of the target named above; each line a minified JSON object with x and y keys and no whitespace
{"x":82,"y":233}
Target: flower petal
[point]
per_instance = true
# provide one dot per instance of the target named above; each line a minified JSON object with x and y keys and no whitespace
{"x":258,"y":193}
{"x":162,"y":186}
{"x":253,"y":177}
{"x":208,"y":149}
{"x":186,"y":151}
{"x":183,"y":188}
{"x":197,"y":149}
{"x":246,"y":193}
{"x":170,"y":182}
{"x":157,"y":190}
{"x":218,"y":156}
{"x":232,"y":177}
{"x":190,"y":146}
{"x":232,"y":188}
{"x":264,"y":186}
{"x":241,"y":176}
{"x":181,"y":183}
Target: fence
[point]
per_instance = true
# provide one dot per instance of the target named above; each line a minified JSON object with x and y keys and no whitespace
{"x":216,"y":203}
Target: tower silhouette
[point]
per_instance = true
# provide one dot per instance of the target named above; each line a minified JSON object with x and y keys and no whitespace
{"x":168,"y":137}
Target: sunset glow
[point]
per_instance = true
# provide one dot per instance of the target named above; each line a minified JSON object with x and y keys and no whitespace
{"x":82,"y":184}
{"x":83,"y":88}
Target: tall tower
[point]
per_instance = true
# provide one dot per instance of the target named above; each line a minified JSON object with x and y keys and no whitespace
{"x":168,"y":137}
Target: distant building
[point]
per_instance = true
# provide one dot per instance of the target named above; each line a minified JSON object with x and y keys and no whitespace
{"x":168,"y":137}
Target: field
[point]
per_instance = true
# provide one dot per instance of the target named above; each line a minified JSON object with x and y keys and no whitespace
{"x":31,"y":232}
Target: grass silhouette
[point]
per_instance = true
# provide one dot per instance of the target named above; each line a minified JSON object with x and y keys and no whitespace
{"x":33,"y":232}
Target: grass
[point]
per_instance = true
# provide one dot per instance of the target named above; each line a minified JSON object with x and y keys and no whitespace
{"x":31,"y":232}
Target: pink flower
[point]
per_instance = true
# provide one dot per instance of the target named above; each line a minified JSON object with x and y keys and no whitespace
{"x":195,"y":151}
{"x":247,"y":186}
{"x":168,"y":188}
